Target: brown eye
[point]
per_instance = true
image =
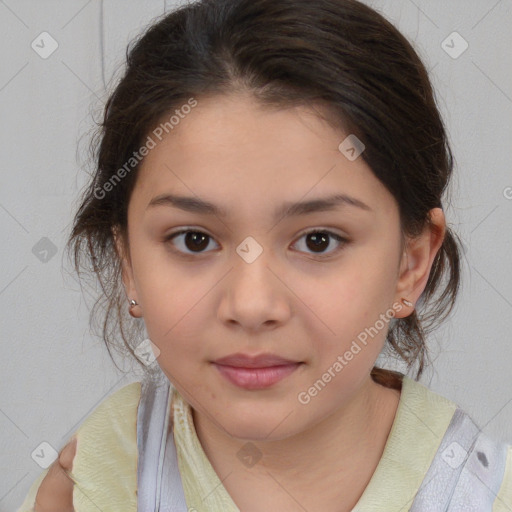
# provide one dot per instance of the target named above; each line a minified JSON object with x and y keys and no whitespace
{"x":318,"y":241}
{"x":193,"y":241}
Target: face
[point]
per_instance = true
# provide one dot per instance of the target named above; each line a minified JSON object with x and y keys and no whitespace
{"x":246,"y":279}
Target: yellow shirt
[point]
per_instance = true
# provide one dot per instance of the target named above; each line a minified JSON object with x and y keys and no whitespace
{"x":105,"y":465}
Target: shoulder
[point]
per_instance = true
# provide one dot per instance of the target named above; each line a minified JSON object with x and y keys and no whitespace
{"x":114,"y":407}
{"x":466,"y":458}
{"x":105,"y":464}
{"x":423,"y":413}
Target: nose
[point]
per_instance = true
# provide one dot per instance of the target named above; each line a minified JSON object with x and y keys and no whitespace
{"x":254,"y":295}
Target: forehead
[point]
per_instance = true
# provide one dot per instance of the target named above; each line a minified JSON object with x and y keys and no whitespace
{"x":245,"y":155}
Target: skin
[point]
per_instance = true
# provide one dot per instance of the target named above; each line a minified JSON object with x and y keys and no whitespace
{"x":291,"y":301}
{"x":55,"y":494}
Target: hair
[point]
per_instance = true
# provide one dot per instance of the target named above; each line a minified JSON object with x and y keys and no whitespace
{"x":338,"y":54}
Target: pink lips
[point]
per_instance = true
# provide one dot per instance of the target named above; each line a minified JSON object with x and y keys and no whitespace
{"x":255,"y":372}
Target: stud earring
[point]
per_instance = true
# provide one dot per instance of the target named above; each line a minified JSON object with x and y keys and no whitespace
{"x":406,"y":302}
{"x":133,"y":303}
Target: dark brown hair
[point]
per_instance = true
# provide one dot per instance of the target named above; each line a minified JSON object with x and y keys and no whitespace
{"x":340,"y":54}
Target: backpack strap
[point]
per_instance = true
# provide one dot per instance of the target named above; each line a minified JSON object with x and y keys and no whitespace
{"x":157,"y":452}
{"x":466,"y":472}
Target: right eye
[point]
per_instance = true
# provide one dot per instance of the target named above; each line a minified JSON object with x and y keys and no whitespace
{"x":195,"y":241}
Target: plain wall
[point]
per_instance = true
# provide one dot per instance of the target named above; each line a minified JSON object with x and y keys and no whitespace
{"x":54,"y":372}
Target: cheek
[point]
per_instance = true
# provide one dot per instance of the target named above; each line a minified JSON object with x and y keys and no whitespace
{"x":348,"y":308}
{"x":160,"y":286}
{"x":175,"y":317}
{"x":175,"y":328}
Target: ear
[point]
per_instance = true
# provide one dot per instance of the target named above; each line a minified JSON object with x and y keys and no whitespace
{"x":122,"y":250}
{"x":417,"y":261}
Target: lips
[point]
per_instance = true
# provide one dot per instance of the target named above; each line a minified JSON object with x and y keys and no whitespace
{"x":255,"y":372}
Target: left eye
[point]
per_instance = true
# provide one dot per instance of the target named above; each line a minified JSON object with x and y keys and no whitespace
{"x":196,"y":241}
{"x":318,"y":240}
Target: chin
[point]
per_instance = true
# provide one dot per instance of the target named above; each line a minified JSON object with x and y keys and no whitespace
{"x":256,"y":426}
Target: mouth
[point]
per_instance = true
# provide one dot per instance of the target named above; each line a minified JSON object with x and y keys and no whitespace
{"x":255,"y":372}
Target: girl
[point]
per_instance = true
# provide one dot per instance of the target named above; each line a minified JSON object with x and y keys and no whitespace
{"x":268,"y":202}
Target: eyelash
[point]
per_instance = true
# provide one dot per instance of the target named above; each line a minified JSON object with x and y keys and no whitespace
{"x":343,"y":241}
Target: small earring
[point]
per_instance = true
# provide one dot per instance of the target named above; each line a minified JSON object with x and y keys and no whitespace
{"x":406,"y":302}
{"x":133,"y":303}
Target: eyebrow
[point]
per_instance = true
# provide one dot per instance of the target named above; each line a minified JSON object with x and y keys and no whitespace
{"x":288,"y":209}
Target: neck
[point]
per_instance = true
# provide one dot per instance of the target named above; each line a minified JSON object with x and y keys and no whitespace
{"x":337,"y":455}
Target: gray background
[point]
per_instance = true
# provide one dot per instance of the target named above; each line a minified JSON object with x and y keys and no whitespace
{"x":54,"y":373}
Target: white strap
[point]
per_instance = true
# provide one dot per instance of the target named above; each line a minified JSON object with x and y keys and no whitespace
{"x":157,"y":452}
{"x":466,"y":472}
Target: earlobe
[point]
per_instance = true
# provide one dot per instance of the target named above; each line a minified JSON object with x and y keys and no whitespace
{"x":131,"y":309}
{"x":418,"y":259}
